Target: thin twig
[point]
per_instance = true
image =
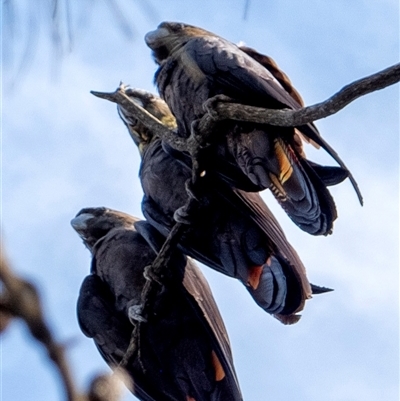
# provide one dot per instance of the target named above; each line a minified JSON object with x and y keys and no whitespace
{"x":155,"y":275}
{"x":246,"y":9}
{"x":150,"y":289}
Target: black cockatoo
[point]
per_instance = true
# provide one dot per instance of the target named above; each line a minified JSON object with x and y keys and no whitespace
{"x":233,"y":232}
{"x":184,"y":352}
{"x":196,"y":65}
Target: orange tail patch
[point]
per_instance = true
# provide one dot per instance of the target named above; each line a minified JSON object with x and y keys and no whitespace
{"x":286,"y":168}
{"x":254,"y":276}
{"x":219,"y":370}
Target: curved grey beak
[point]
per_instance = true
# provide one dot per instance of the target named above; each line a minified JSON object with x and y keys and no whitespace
{"x":152,"y":37}
{"x":79,"y":222}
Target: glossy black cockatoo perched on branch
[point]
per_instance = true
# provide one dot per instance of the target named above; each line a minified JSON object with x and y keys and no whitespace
{"x":184,"y":352}
{"x":232,"y":232}
{"x":196,"y":65}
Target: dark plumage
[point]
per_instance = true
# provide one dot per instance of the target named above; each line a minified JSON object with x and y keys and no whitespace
{"x":233,"y":232}
{"x":184,"y":352}
{"x":196,"y":65}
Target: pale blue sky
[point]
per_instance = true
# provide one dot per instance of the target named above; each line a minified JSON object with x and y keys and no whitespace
{"x":63,"y":149}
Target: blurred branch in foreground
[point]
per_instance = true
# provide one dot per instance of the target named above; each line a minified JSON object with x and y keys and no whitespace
{"x":106,"y":387}
{"x":20,"y":299}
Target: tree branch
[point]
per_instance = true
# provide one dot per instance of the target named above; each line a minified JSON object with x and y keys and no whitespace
{"x":221,"y":108}
{"x":200,"y":132}
{"x":294,"y":118}
{"x":154,"y":272}
{"x":159,"y":129}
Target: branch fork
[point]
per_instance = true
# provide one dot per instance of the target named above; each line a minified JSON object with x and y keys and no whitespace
{"x":217,"y":109}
